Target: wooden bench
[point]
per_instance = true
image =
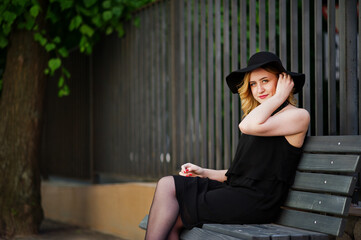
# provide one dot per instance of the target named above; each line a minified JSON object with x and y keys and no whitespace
{"x":318,"y":203}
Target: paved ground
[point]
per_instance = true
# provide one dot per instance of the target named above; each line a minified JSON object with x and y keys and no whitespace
{"x":51,"y":230}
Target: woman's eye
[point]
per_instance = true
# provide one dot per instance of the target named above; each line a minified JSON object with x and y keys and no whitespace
{"x":265,"y":81}
{"x":252,"y":84}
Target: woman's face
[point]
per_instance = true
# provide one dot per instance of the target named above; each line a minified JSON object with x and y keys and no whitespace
{"x":262,"y":84}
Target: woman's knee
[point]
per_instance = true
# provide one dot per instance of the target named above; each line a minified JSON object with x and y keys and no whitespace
{"x":166,"y":184}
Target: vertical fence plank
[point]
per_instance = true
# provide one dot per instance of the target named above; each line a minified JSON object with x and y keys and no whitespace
{"x":142,"y":104}
{"x":283,"y":36}
{"x":137,"y":97}
{"x":343,"y":55}
{"x":359,"y":72}
{"x":151,"y":92}
{"x":181,"y":71}
{"x":252,"y":27}
{"x":210,"y":67}
{"x":196,"y":81}
{"x":92,"y":170}
{"x":294,"y":38}
{"x":164,"y":91}
{"x":133,"y":86}
{"x":146,"y":100}
{"x":234,"y":64}
{"x":203,"y":61}
{"x":159,"y":87}
{"x":331,"y":66}
{"x":348,"y":66}
{"x":272,"y":42}
{"x":262,"y":26}
{"x":318,"y":33}
{"x":226,"y":92}
{"x":218,"y":86}
{"x":189,"y":50}
{"x":157,"y":91}
{"x":122,"y":89}
{"x":306,"y":54}
{"x":177,"y":59}
{"x":243,"y":33}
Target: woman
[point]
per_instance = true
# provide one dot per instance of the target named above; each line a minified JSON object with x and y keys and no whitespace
{"x":256,"y":185}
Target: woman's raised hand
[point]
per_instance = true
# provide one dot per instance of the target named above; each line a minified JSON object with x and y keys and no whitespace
{"x":191,"y":170}
{"x":285,"y":85}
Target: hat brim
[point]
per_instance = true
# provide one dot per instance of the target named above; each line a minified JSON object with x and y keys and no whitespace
{"x":235,"y":78}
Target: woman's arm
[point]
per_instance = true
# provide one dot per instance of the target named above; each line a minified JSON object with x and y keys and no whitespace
{"x":192,"y":170}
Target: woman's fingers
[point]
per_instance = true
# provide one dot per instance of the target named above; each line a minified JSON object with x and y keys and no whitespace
{"x":285,"y":83}
{"x":188,"y":170}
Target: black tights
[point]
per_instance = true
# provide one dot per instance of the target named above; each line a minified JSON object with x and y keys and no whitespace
{"x":164,"y":221}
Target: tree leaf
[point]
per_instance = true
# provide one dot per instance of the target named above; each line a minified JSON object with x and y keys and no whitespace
{"x":61,"y":81}
{"x":54,"y":18}
{"x":66,"y":72}
{"x":34,"y":10}
{"x":9,"y":16}
{"x":97,"y":20}
{"x":27,"y":24}
{"x":64,"y":91}
{"x":57,"y":40}
{"x":107,"y":4}
{"x":120,"y":30}
{"x":109,"y":30}
{"x":50,"y":46}
{"x":39,"y":38}
{"x":63,"y":52}
{"x":89,"y":3}
{"x":65,"y":4}
{"x":21,"y":3}
{"x":86,"y":30}
{"x":54,"y":64}
{"x":107,"y":15}
{"x":117,"y":11}
{"x":3,"y":41}
{"x":75,"y":22}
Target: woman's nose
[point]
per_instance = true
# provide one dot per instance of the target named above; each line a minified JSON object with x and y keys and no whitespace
{"x":260,"y":88}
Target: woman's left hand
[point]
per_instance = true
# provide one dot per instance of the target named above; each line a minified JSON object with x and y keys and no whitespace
{"x":285,"y":85}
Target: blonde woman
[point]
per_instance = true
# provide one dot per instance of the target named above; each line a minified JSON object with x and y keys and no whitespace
{"x":256,"y":184}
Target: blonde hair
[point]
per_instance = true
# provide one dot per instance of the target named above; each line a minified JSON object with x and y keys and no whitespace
{"x":247,"y":100}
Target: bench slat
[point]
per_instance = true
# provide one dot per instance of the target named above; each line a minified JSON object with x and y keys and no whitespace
{"x":255,"y":232}
{"x":311,"y":221}
{"x":333,"y":144}
{"x":247,"y":232}
{"x":311,"y":235}
{"x":324,"y":183}
{"x":329,"y":163}
{"x":199,"y":233}
{"x":324,"y":203}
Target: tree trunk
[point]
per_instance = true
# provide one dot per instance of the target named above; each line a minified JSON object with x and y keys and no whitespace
{"x":21,"y":110}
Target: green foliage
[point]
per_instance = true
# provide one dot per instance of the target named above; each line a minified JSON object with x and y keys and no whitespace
{"x":71,"y":25}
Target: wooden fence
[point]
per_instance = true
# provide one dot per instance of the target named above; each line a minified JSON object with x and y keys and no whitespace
{"x":157,"y":97}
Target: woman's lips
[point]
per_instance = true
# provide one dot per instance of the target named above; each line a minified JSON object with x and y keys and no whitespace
{"x":263,"y":96}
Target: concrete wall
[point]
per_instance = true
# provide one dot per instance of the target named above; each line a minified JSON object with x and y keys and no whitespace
{"x":116,"y":209}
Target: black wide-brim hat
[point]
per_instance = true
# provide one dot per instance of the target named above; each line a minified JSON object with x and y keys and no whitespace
{"x":260,"y":59}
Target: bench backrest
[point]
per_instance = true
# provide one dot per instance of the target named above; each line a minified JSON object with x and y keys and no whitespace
{"x":321,"y":195}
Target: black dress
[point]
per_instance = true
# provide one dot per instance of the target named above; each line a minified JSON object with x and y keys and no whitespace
{"x":257,"y":184}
